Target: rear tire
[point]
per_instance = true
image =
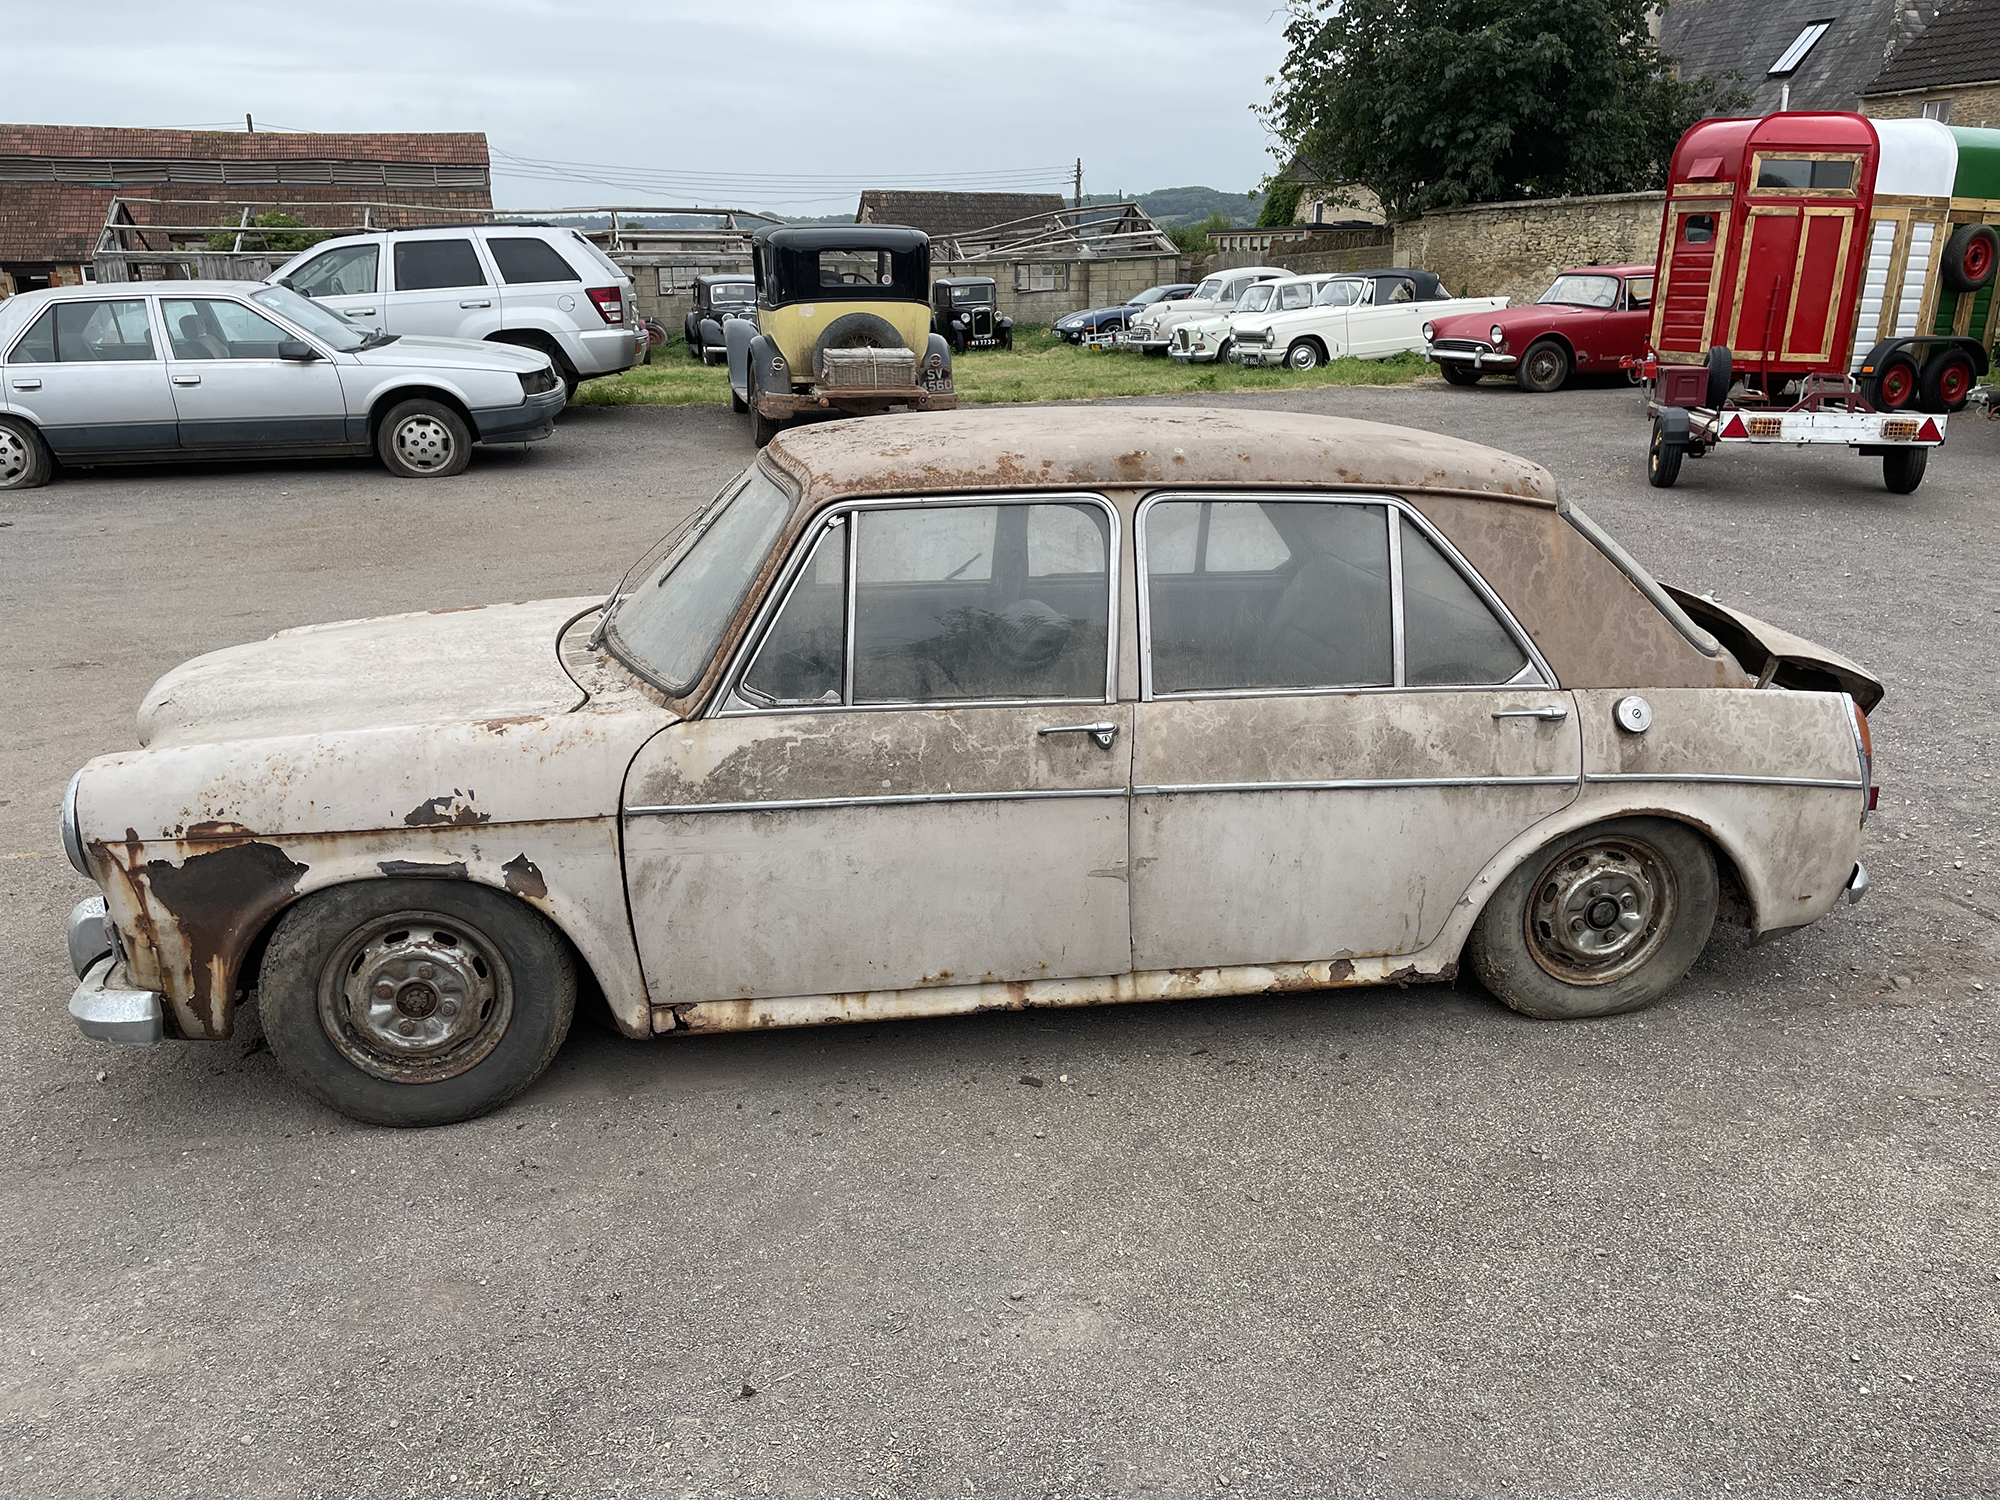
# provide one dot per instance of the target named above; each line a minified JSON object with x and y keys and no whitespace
{"x":763,"y":428}
{"x":1663,"y":459}
{"x":1605,"y":920}
{"x":24,"y":458}
{"x":1947,"y":382}
{"x":480,"y":992}
{"x":423,"y":439}
{"x":1457,"y":374}
{"x":1543,"y":368}
{"x":1903,"y":469}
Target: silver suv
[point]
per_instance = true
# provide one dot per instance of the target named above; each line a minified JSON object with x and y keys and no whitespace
{"x":531,"y":285}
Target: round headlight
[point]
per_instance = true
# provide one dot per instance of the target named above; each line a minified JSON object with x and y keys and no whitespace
{"x":1430,"y":332}
{"x":1498,"y":335}
{"x":72,"y":841}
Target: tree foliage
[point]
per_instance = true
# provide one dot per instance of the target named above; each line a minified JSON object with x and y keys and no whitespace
{"x":276,"y":244}
{"x":1434,"y":103}
{"x":1281,"y":204}
{"x":1192,"y":239}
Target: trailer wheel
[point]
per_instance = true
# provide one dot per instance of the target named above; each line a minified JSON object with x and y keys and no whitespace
{"x":1947,"y":381}
{"x":1903,"y":469}
{"x":1969,"y":258}
{"x":1895,"y":384}
{"x":1721,"y":376}
{"x":1663,"y":459}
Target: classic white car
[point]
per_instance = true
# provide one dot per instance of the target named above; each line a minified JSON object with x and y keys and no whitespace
{"x":976,"y":711}
{"x":1203,"y":340}
{"x":1151,"y":330}
{"x":1363,"y":315}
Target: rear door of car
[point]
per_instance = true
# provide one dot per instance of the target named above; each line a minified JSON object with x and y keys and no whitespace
{"x":441,"y":285}
{"x":89,"y":374}
{"x":539,"y":288}
{"x":232,"y":391}
{"x":918,"y":776}
{"x":347,"y":279}
{"x":1338,"y":728}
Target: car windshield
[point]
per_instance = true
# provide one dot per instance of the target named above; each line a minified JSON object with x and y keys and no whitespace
{"x":1583,"y":291}
{"x":1339,"y":294}
{"x":977,"y":295}
{"x":667,"y":629}
{"x":732,"y":293}
{"x":1256,"y":298}
{"x":323,"y":323}
{"x":1210,"y":289}
{"x":1151,"y":295}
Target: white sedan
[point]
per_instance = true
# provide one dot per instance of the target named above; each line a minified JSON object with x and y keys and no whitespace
{"x":1205,"y":340}
{"x":1364,"y":315}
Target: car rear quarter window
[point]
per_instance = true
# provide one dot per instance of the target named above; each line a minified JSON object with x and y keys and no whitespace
{"x":423,"y":265}
{"x":1451,"y":638}
{"x":88,"y":333}
{"x":524,"y":259}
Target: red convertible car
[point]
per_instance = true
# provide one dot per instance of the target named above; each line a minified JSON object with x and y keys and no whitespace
{"x":1588,"y":320}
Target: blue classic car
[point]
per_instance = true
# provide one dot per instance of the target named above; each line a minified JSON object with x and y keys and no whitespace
{"x":1080,"y":325}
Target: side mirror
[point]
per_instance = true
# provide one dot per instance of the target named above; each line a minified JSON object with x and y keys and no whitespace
{"x":297,"y":349}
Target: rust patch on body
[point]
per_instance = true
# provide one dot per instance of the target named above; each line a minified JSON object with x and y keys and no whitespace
{"x":416,"y":869}
{"x":453,"y":811}
{"x":523,"y":879}
{"x":219,"y":900}
{"x":501,"y":726}
{"x":217,"y":828}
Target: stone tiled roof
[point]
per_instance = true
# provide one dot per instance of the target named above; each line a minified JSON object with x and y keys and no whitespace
{"x":1715,"y":37}
{"x":1961,"y":46}
{"x":941,"y":214}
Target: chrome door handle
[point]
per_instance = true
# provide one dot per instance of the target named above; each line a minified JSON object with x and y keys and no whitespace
{"x":361,"y":312}
{"x":1104,"y":731}
{"x":1552,"y":713}
{"x":487,"y":303}
{"x":187,"y":380}
{"x":27,"y":385}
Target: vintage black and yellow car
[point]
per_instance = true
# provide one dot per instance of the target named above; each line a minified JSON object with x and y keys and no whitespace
{"x":843,"y":325}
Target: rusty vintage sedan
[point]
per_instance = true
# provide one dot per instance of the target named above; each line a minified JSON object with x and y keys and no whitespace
{"x":980,"y":711}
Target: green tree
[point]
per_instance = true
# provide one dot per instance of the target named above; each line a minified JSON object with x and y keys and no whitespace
{"x":1281,"y":204}
{"x":1434,"y":103}
{"x":1192,"y":239}
{"x":277,"y":244}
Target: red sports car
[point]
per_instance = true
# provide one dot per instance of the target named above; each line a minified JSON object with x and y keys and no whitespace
{"x":1588,"y":320}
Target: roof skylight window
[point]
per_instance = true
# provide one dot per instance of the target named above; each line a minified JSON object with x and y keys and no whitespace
{"x":1789,"y":60}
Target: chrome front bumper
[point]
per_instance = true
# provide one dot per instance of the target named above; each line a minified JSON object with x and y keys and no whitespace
{"x":104,"y":1007}
{"x":1478,"y":359}
{"x":1857,"y":884}
{"x":1256,"y":355}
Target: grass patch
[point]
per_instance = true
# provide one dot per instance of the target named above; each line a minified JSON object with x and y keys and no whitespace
{"x":1040,"y":367}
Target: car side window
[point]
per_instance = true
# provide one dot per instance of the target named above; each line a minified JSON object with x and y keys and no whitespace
{"x":423,"y":265}
{"x":1639,"y":293}
{"x":1267,"y":594}
{"x":1296,"y":296}
{"x":210,"y":328}
{"x":523,"y":259}
{"x":1394,"y":289}
{"x":346,"y":272}
{"x":1450,"y":637}
{"x":88,"y":332}
{"x":951,"y":603}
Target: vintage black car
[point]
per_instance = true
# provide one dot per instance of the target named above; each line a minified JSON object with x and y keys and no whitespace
{"x":717,"y":299}
{"x":966,"y":311}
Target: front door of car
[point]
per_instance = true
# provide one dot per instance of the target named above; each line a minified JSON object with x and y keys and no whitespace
{"x":346,"y":279}
{"x":917,"y":775}
{"x":90,"y":376}
{"x":232,"y":391}
{"x":441,"y":287}
{"x":1621,"y":331}
{"x":1337,"y":731}
{"x":1394,"y":322}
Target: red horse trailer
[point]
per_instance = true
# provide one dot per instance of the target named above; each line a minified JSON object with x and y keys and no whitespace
{"x":1799,"y":275}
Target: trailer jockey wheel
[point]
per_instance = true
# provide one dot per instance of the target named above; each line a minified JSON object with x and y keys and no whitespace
{"x":1894,"y":386}
{"x":1947,"y":381}
{"x":1663,"y":458}
{"x":1969,"y":258}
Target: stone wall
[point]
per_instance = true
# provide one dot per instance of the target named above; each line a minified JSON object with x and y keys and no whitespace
{"x":1515,"y":249}
{"x":1976,"y":105}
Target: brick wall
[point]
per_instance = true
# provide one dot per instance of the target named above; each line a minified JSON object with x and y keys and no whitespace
{"x":1515,"y":249}
{"x":1976,"y":105}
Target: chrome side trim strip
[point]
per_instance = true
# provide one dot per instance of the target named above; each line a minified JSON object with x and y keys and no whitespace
{"x":1708,"y":780}
{"x":1351,"y":786}
{"x":906,"y":800}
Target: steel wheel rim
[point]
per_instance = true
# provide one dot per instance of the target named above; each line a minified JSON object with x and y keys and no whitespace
{"x":424,"y":443}
{"x":416,"y":997}
{"x":1954,"y":380}
{"x":13,"y":457}
{"x":1978,"y":259}
{"x":1600,"y":910}
{"x":1897,"y":383}
{"x":1305,"y":357}
{"x":1544,"y":366}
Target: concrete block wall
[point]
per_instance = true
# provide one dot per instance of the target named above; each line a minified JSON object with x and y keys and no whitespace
{"x":1976,"y":105}
{"x":1515,"y":249}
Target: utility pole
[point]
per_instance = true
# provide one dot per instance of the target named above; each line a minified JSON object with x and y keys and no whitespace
{"x":249,"y":125}
{"x":1077,"y":201}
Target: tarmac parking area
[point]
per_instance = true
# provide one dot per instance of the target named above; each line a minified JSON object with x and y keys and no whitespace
{"x":1394,"y":1242}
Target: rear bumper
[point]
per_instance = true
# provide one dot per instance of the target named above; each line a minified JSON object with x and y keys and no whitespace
{"x":606,"y":350}
{"x":106,"y":1008}
{"x":531,"y":421}
{"x":1857,"y":884}
{"x":855,"y":402}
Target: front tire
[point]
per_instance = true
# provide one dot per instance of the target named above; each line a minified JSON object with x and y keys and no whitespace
{"x":1303,"y":355}
{"x":1903,"y":469}
{"x":424,"y":439}
{"x":1605,"y":920}
{"x":1455,"y":374}
{"x":1663,"y":459}
{"x":1543,"y":368}
{"x":24,"y":457}
{"x":415,"y":1002}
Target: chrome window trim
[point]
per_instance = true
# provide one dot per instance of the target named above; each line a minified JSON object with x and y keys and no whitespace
{"x":1707,"y":779}
{"x":1395,"y":506}
{"x":891,"y":800}
{"x":1383,"y":784}
{"x":729,"y":702}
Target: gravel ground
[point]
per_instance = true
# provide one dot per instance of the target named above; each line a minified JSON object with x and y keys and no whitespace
{"x":1389,"y":1243}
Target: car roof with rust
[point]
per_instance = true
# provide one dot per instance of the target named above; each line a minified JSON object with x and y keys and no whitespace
{"x":1123,"y":447}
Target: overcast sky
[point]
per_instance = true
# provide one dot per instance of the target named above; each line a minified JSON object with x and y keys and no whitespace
{"x":783,"y":104}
